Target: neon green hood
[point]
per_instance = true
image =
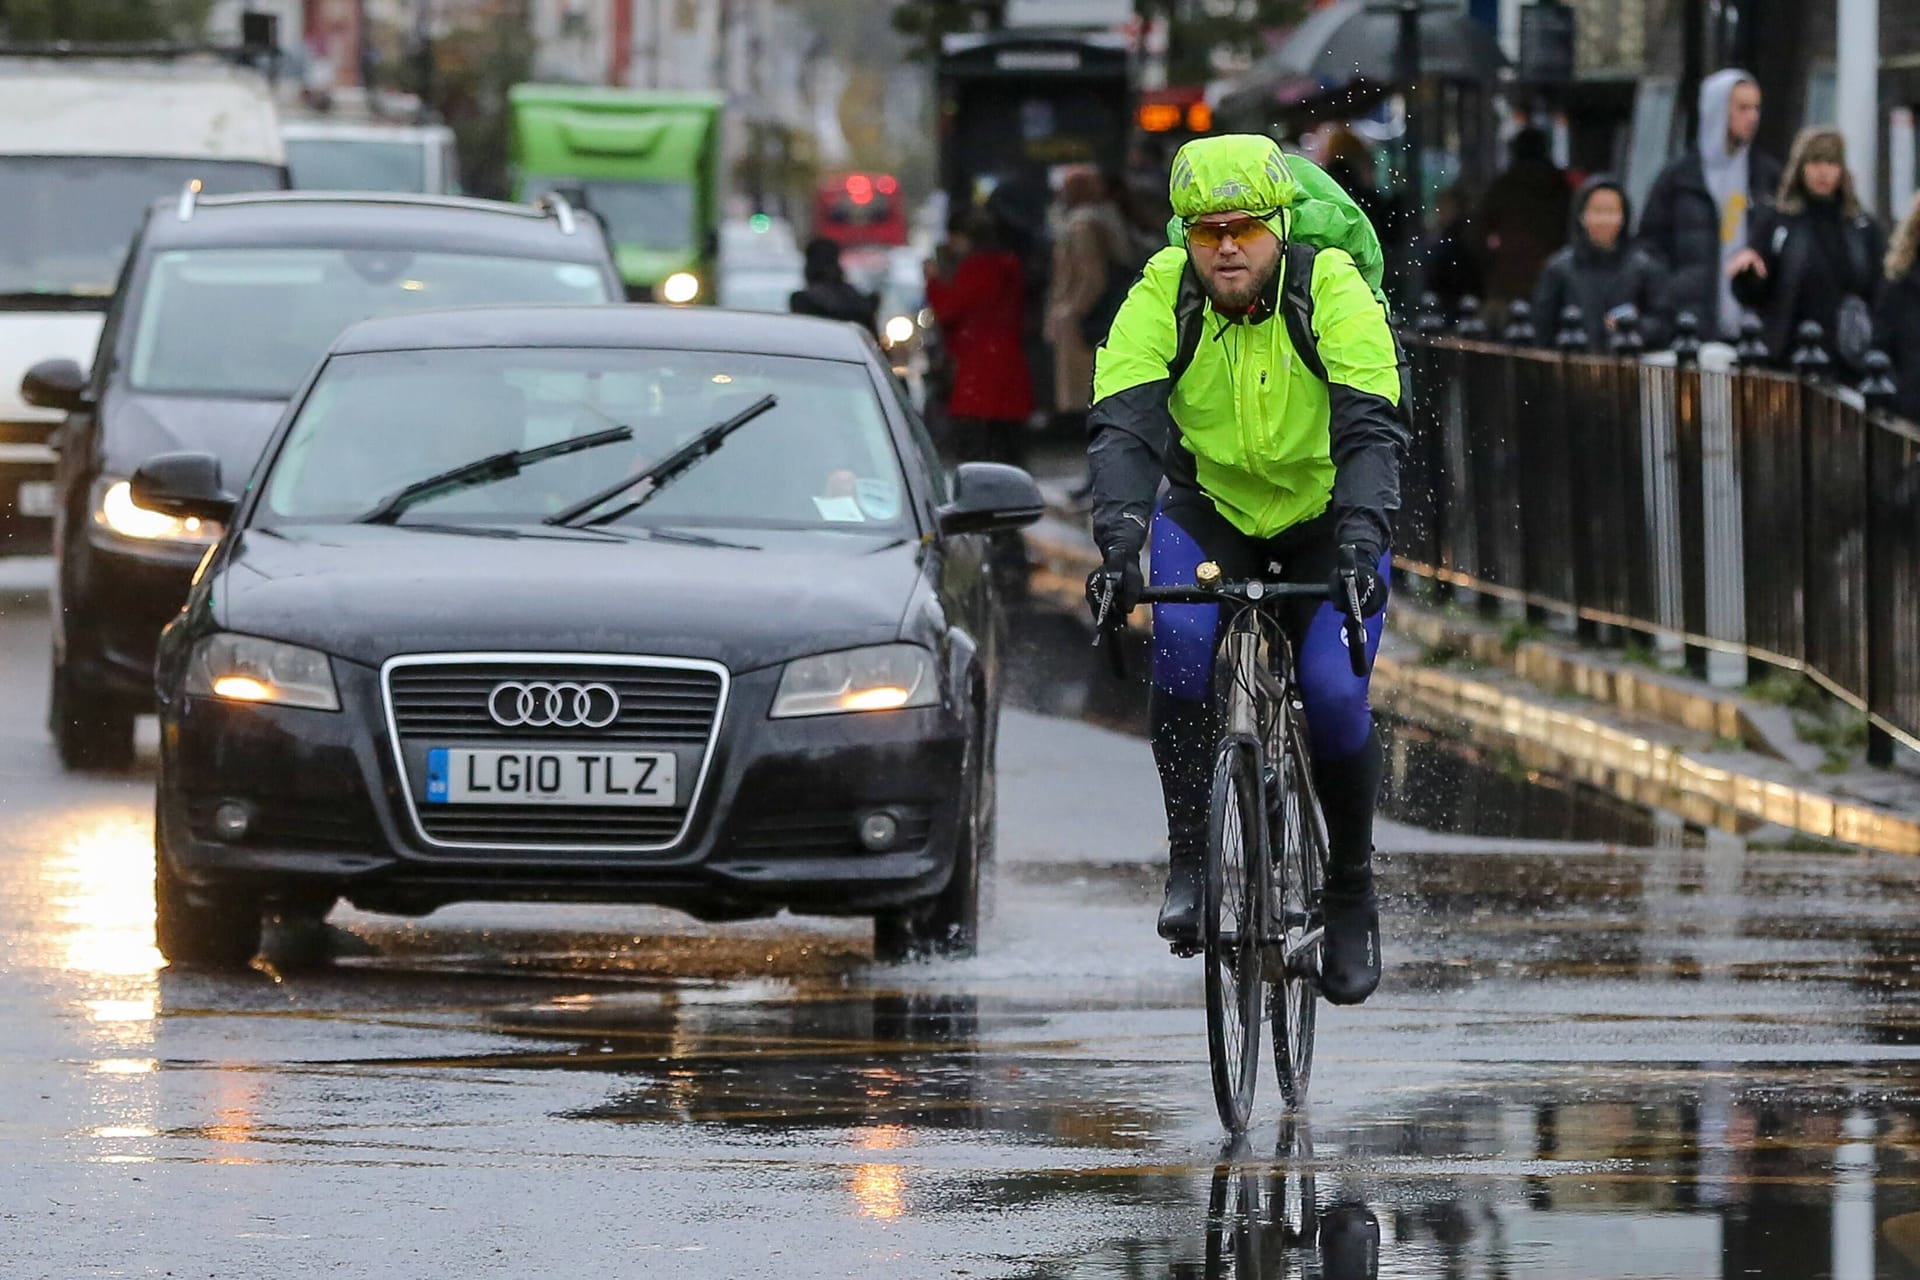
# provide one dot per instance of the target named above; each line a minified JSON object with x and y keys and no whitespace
{"x":1249,"y":172}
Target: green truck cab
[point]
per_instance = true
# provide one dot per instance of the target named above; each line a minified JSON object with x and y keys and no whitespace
{"x":646,"y":163}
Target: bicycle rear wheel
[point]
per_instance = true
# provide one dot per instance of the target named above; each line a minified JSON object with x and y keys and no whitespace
{"x":1235,"y":860}
{"x":1299,"y":855}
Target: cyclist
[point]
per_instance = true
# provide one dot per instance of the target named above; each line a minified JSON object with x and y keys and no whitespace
{"x":1270,"y":467}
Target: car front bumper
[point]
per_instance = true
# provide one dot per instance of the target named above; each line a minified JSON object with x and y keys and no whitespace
{"x":773,"y":826}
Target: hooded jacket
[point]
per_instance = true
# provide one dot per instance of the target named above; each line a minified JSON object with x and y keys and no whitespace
{"x":1598,"y":280}
{"x":1682,"y":224}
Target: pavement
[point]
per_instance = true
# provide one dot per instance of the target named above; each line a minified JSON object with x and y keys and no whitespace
{"x":1589,"y":1059}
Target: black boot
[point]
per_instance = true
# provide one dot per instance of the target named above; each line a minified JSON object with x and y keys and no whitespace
{"x":1350,"y":955}
{"x":1183,"y":742}
{"x":1180,"y":911}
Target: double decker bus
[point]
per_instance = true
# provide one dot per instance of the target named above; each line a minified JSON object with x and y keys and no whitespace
{"x":857,"y":209}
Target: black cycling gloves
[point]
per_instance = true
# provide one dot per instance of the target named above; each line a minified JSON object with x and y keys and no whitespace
{"x":1118,"y":583}
{"x":1352,"y":560}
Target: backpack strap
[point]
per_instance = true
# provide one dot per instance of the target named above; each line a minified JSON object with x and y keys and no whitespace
{"x":1189,"y":321}
{"x":1296,"y":305}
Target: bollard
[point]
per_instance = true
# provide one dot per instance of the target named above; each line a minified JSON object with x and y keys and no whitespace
{"x":1809,"y":359}
{"x":1686,"y":338}
{"x":1752,"y":348}
{"x":1431,"y":322}
{"x":1572,"y":335}
{"x":1471,"y":324}
{"x":1626,"y":339}
{"x":1519,"y":331}
{"x":1878,"y":387}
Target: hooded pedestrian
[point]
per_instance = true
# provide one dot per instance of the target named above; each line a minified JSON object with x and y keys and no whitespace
{"x":828,"y":294}
{"x":1816,"y":255}
{"x":1896,"y":320}
{"x":1699,"y":210}
{"x":1602,"y":273}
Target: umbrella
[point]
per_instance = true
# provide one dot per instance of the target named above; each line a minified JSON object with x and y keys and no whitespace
{"x":1354,"y":44}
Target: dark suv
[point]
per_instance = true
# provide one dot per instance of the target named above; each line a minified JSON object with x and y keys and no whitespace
{"x":223,"y":307}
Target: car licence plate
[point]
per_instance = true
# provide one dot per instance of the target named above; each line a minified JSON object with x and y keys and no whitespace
{"x":496,"y":775}
{"x":35,"y":499}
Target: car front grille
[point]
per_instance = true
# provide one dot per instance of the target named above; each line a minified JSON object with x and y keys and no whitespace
{"x":825,"y":834}
{"x":444,"y":701}
{"x":657,"y":704}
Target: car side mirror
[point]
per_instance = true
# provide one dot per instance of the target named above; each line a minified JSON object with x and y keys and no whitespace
{"x":58,"y":383}
{"x":989,"y":497}
{"x":182,"y":484}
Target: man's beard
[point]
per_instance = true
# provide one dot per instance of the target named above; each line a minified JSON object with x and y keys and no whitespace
{"x":1238,"y":299}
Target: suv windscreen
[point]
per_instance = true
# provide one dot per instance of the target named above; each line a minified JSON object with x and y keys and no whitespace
{"x":69,"y":219}
{"x":251,"y":322}
{"x":357,"y":164}
{"x":821,"y":459}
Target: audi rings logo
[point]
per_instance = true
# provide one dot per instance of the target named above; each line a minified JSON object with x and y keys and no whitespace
{"x":542,"y":704}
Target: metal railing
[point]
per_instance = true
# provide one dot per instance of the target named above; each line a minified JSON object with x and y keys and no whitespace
{"x":1760,"y":513}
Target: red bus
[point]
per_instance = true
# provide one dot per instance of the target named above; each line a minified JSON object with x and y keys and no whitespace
{"x":860,"y":209}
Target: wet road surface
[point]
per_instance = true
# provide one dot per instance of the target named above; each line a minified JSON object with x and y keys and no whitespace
{"x":1587,"y":1061}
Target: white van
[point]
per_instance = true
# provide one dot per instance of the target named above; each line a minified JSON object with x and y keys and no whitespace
{"x":338,"y":155}
{"x":86,"y":144}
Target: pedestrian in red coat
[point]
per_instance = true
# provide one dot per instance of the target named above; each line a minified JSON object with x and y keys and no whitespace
{"x":978,"y":295}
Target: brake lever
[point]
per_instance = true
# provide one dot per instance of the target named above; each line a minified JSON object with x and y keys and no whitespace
{"x":1355,"y":626}
{"x":1104,"y":628}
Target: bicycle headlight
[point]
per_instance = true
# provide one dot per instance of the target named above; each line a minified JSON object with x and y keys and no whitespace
{"x":115,"y":511}
{"x":883,"y":677}
{"x":248,"y":669}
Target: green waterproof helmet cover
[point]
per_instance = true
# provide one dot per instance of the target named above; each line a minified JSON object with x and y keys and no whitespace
{"x":1248,"y":172}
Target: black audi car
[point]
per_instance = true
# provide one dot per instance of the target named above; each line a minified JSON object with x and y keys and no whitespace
{"x":223,"y":307}
{"x":618,"y":604}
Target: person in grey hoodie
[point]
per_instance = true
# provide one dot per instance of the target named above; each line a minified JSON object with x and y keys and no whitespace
{"x":1699,"y":211}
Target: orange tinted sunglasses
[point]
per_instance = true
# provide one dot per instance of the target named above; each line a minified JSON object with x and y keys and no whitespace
{"x":1242,"y":230}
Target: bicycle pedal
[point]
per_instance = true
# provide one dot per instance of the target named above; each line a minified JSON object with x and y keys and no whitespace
{"x":1185,"y":950}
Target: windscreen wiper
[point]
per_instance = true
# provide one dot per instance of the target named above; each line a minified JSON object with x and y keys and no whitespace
{"x":664,"y":472}
{"x":498,"y":466}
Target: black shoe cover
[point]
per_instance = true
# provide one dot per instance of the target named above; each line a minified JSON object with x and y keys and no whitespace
{"x":1180,"y":913}
{"x":1350,"y":952}
{"x":1349,"y":1243}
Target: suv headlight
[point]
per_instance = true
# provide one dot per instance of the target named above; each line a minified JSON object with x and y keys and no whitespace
{"x":249,"y":669}
{"x":115,"y":511}
{"x":883,"y":677}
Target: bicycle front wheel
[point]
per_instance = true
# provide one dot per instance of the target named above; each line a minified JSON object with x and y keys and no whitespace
{"x":1236,"y":857}
{"x":1298,"y":856}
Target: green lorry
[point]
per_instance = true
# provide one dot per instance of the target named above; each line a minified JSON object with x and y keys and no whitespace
{"x":646,"y":163}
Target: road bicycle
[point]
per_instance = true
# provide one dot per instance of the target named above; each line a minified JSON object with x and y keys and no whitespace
{"x":1266,"y":853}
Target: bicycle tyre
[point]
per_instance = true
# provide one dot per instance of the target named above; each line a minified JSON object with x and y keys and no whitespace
{"x":1235,"y":857}
{"x":1299,"y":857}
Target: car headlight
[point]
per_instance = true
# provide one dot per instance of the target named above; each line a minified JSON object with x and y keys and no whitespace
{"x":881,"y":678}
{"x":899,"y":330}
{"x":249,"y":669}
{"x":680,"y":287}
{"x":115,"y":511}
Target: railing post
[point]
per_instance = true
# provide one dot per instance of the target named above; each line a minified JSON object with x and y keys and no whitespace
{"x":1471,"y":325}
{"x":1660,"y":487}
{"x":1752,"y":348}
{"x":1809,"y":360}
{"x":1626,"y":340}
{"x":1571,"y":337}
{"x":1722,"y":518}
{"x":1519,"y":331}
{"x":1877,"y":389}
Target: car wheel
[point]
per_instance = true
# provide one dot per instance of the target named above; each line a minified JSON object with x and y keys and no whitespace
{"x":90,"y":730}
{"x":208,"y":930}
{"x":948,"y":924}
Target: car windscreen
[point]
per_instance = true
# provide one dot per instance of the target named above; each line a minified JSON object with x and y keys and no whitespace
{"x":357,"y":164}
{"x":822,"y":458}
{"x":648,"y":214}
{"x":251,"y":322}
{"x":68,"y":219}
